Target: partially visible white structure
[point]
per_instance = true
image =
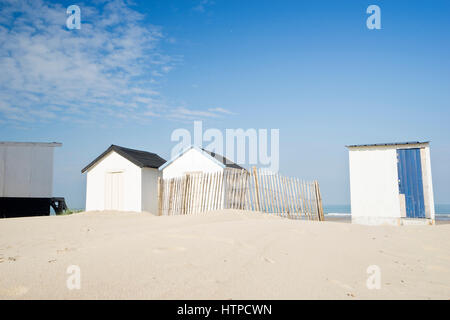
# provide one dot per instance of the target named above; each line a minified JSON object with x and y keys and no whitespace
{"x":26,"y":169}
{"x":195,"y":160}
{"x":26,"y":179}
{"x":190,"y":165}
{"x":391,"y":183}
{"x":123,"y":179}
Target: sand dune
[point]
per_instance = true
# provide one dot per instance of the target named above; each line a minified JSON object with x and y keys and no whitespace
{"x":222,"y":255}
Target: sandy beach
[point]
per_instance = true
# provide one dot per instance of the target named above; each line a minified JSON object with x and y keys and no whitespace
{"x":220,"y":255}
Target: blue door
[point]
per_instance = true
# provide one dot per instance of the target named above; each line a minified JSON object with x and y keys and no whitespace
{"x":410,"y":181}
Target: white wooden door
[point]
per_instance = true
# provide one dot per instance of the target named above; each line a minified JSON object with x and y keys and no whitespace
{"x":114,"y":191}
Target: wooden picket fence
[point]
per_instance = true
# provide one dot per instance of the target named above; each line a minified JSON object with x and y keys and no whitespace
{"x":257,"y":190}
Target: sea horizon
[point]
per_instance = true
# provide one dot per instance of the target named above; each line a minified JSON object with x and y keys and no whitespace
{"x":342,"y":210}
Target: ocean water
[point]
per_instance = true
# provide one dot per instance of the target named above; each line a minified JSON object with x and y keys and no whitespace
{"x":442,"y":211}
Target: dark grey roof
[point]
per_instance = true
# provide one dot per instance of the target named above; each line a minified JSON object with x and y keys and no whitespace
{"x":386,"y":144}
{"x":140,"y":158}
{"x":228,"y":163}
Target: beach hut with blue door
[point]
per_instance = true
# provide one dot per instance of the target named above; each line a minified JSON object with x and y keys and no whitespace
{"x":390,"y":183}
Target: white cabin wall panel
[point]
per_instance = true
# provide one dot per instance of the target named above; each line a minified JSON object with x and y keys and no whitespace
{"x":95,"y":183}
{"x":150,"y":190}
{"x":374,"y":183}
{"x":41,"y":183}
{"x":429,"y":191}
{"x":18,"y":172}
{"x":26,"y":170}
{"x":2,"y":170}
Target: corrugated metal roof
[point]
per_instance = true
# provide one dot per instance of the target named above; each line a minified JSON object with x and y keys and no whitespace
{"x":386,"y":144}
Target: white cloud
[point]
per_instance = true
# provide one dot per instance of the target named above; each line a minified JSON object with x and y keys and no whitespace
{"x":184,"y":113}
{"x":220,"y":110}
{"x":202,"y":5}
{"x":103,"y":64}
{"x":111,"y":67}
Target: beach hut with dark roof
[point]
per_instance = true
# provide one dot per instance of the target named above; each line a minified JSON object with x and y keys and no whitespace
{"x":123,"y":179}
{"x":194,"y":160}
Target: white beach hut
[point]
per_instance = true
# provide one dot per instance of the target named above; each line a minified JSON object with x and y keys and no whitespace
{"x":26,"y":178}
{"x":206,"y":177}
{"x":123,"y":179}
{"x":391,"y":183}
{"x":194,"y":160}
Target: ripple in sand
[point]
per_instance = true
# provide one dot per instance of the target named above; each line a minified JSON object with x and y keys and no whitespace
{"x":165,"y":249}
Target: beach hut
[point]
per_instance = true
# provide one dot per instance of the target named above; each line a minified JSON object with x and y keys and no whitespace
{"x":26,"y":179}
{"x":198,"y":180}
{"x":391,"y":183}
{"x":196,"y":160}
{"x":123,"y":179}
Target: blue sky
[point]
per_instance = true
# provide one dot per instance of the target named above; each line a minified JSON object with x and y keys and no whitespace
{"x":135,"y":72}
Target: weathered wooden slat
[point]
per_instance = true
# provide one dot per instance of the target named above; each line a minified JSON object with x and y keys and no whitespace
{"x":275,"y":195}
{"x":196,"y":194}
{"x":190,"y":191}
{"x":258,"y":190}
{"x":232,"y":188}
{"x":266,"y":191}
{"x":299,"y":198}
{"x":308,"y":197}
{"x":264,"y":194}
{"x":211,"y":191}
{"x":319,"y":200}
{"x":255,"y":177}
{"x":292,"y":198}
{"x":207,"y":192}
{"x":244,"y":192}
{"x":279,"y":193}
{"x":271,"y":195}
{"x":217,"y":197}
{"x":286,"y":194}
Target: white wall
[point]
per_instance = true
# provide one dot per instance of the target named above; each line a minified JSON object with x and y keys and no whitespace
{"x":428,"y":184}
{"x":150,"y":190}
{"x":26,"y":170}
{"x":192,"y":160}
{"x":374,"y":182}
{"x":95,"y":183}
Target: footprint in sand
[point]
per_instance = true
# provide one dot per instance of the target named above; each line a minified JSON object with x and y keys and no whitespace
{"x":165,"y":249}
{"x":268,"y":260}
{"x":65,"y":250}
